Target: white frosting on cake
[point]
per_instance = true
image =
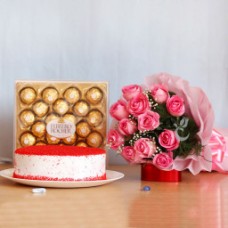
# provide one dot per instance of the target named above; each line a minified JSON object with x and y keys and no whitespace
{"x":61,"y":167}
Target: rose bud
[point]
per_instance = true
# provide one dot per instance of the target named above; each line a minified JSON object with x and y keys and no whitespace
{"x":131,"y":91}
{"x":119,"y":110}
{"x":168,"y":140}
{"x":160,"y":93}
{"x":175,"y":106}
{"x":115,"y":139}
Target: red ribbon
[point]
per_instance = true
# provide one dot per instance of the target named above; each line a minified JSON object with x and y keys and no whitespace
{"x":151,"y":173}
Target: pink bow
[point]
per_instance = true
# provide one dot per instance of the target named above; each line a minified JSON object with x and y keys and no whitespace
{"x":218,"y":147}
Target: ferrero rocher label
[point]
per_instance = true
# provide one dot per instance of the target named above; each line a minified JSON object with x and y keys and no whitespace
{"x":61,"y":129}
{"x":61,"y":113}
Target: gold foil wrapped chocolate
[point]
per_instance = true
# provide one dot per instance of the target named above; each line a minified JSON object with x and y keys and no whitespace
{"x":82,"y":143}
{"x":50,"y":95}
{"x":61,"y":106}
{"x":72,"y":95}
{"x":27,"y":139}
{"x":83,"y":129}
{"x":52,"y":140}
{"x":94,"y":139}
{"x":70,"y":117}
{"x":27,"y":95}
{"x":40,"y":143}
{"x":40,"y":108}
{"x":27,"y":117}
{"x":81,"y":108}
{"x":94,"y":95}
{"x":60,"y":113}
{"x":39,"y":129}
{"x":95,"y":118}
{"x":70,"y":140}
{"x":51,"y":116}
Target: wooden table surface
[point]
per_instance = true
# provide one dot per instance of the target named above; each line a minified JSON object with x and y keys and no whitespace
{"x":197,"y":201}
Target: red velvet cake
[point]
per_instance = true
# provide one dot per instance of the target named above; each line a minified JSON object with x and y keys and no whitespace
{"x":60,"y":163}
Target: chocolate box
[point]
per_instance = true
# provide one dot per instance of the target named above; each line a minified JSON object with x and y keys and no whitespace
{"x":61,"y":113}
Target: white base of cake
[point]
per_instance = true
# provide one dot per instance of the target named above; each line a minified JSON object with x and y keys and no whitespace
{"x":66,"y":168}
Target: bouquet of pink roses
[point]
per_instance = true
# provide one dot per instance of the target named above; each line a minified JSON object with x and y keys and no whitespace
{"x":164,"y":122}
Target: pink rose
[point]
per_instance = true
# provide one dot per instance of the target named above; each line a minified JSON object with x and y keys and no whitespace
{"x":160,"y":93}
{"x":115,"y":139}
{"x":148,"y":121}
{"x":119,"y":110}
{"x":131,"y":91}
{"x":127,"y":127}
{"x":168,"y":140}
{"x":144,"y":148}
{"x":175,"y":105}
{"x":163,"y":160}
{"x":128,"y":153}
{"x":138,"y":105}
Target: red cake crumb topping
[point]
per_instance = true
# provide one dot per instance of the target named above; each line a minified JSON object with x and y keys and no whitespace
{"x":42,"y":178}
{"x":59,"y":150}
